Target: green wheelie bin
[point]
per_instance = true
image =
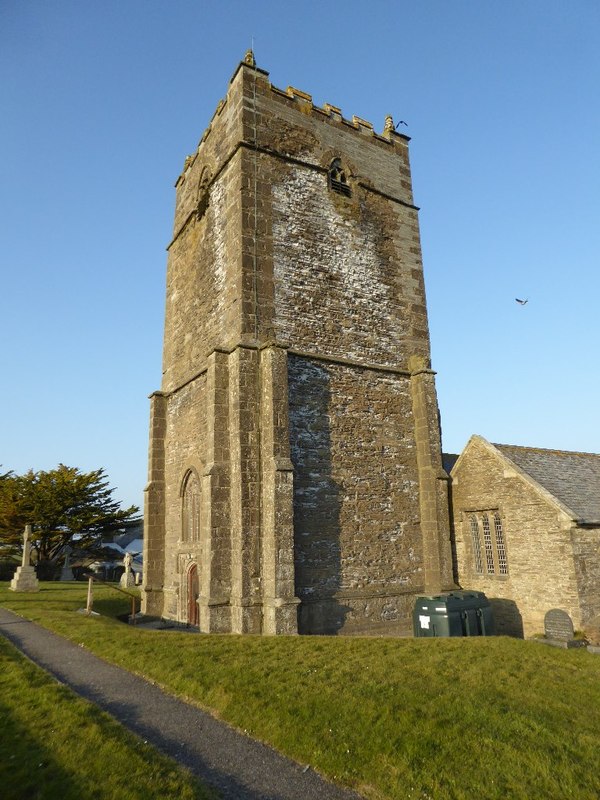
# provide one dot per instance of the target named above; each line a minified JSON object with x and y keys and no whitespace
{"x":460,"y":613}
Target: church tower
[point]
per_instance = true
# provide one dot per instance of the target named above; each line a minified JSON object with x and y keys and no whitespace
{"x":295,"y":477}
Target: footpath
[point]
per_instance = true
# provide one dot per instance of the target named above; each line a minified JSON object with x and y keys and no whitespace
{"x":238,"y":767}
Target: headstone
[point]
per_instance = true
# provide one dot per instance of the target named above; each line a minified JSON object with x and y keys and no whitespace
{"x":558,"y":625}
{"x":66,"y":574}
{"x":25,"y":579}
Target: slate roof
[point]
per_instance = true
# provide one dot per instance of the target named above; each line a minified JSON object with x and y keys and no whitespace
{"x":573,"y":478}
{"x":448,"y":461}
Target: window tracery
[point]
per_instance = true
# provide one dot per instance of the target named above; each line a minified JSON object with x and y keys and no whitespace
{"x":338,"y":181}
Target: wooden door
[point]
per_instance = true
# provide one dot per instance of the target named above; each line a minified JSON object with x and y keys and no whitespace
{"x":193,"y":592}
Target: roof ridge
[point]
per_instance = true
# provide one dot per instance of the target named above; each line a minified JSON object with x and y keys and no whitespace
{"x":547,"y":450}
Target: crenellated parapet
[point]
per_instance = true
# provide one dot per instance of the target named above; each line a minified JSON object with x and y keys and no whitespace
{"x":257,"y":117}
{"x":304,"y":102}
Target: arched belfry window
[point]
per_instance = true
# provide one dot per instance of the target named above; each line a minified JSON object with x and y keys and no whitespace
{"x":190,"y":508}
{"x":338,"y":181}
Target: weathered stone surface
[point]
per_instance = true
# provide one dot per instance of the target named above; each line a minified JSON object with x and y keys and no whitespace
{"x":592,"y":630}
{"x":296,"y":380}
{"x":558,"y":625}
{"x":127,"y":580}
{"x":25,"y":580}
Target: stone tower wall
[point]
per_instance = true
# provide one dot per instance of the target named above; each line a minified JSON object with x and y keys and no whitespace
{"x":348,"y":300}
{"x":202,"y":310}
{"x":359,"y":554}
{"x":187,"y":412}
{"x":296,"y":380}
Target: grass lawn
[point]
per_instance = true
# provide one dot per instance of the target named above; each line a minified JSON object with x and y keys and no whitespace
{"x":53,"y":744}
{"x":440,"y":719}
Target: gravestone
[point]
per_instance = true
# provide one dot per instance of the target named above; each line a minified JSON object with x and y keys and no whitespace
{"x":558,"y":625}
{"x":66,"y":573}
{"x":558,"y":630}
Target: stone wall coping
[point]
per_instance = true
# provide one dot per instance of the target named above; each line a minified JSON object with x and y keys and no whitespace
{"x":353,"y":594}
{"x":280,"y":602}
{"x":349,"y":362}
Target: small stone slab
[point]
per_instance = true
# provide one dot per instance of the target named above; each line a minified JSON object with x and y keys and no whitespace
{"x":562,"y":644}
{"x":558,"y":625}
{"x":88,"y":613}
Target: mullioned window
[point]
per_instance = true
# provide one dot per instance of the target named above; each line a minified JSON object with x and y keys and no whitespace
{"x":488,"y":543}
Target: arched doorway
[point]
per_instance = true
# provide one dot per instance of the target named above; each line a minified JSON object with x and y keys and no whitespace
{"x":193,"y":590}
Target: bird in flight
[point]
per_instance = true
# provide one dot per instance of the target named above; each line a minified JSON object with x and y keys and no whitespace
{"x":400,"y":123}
{"x":521,"y":302}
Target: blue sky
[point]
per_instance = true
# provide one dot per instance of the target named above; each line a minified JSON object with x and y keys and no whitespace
{"x":100,"y":102}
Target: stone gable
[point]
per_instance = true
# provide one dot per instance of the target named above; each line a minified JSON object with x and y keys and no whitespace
{"x":552,"y":561}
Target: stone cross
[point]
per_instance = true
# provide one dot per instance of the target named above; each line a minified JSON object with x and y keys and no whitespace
{"x":26,"y":546}
{"x":127,"y":578}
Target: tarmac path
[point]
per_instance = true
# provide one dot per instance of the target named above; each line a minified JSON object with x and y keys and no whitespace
{"x":238,"y":767}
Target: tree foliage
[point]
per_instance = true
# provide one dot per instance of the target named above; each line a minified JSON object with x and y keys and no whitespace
{"x":64,"y":506}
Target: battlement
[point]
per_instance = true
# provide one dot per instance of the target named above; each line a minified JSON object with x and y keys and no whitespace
{"x":304,"y":101}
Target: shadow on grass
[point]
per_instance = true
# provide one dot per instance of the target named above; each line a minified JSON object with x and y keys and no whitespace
{"x":175,"y":736}
{"x":177,"y":729}
{"x":28,"y":769}
{"x":67,"y":596}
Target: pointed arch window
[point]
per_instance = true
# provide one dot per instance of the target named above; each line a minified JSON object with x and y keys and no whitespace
{"x":190,"y":507}
{"x":338,"y":181}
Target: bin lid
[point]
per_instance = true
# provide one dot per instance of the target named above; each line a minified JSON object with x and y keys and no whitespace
{"x":451,"y":601}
